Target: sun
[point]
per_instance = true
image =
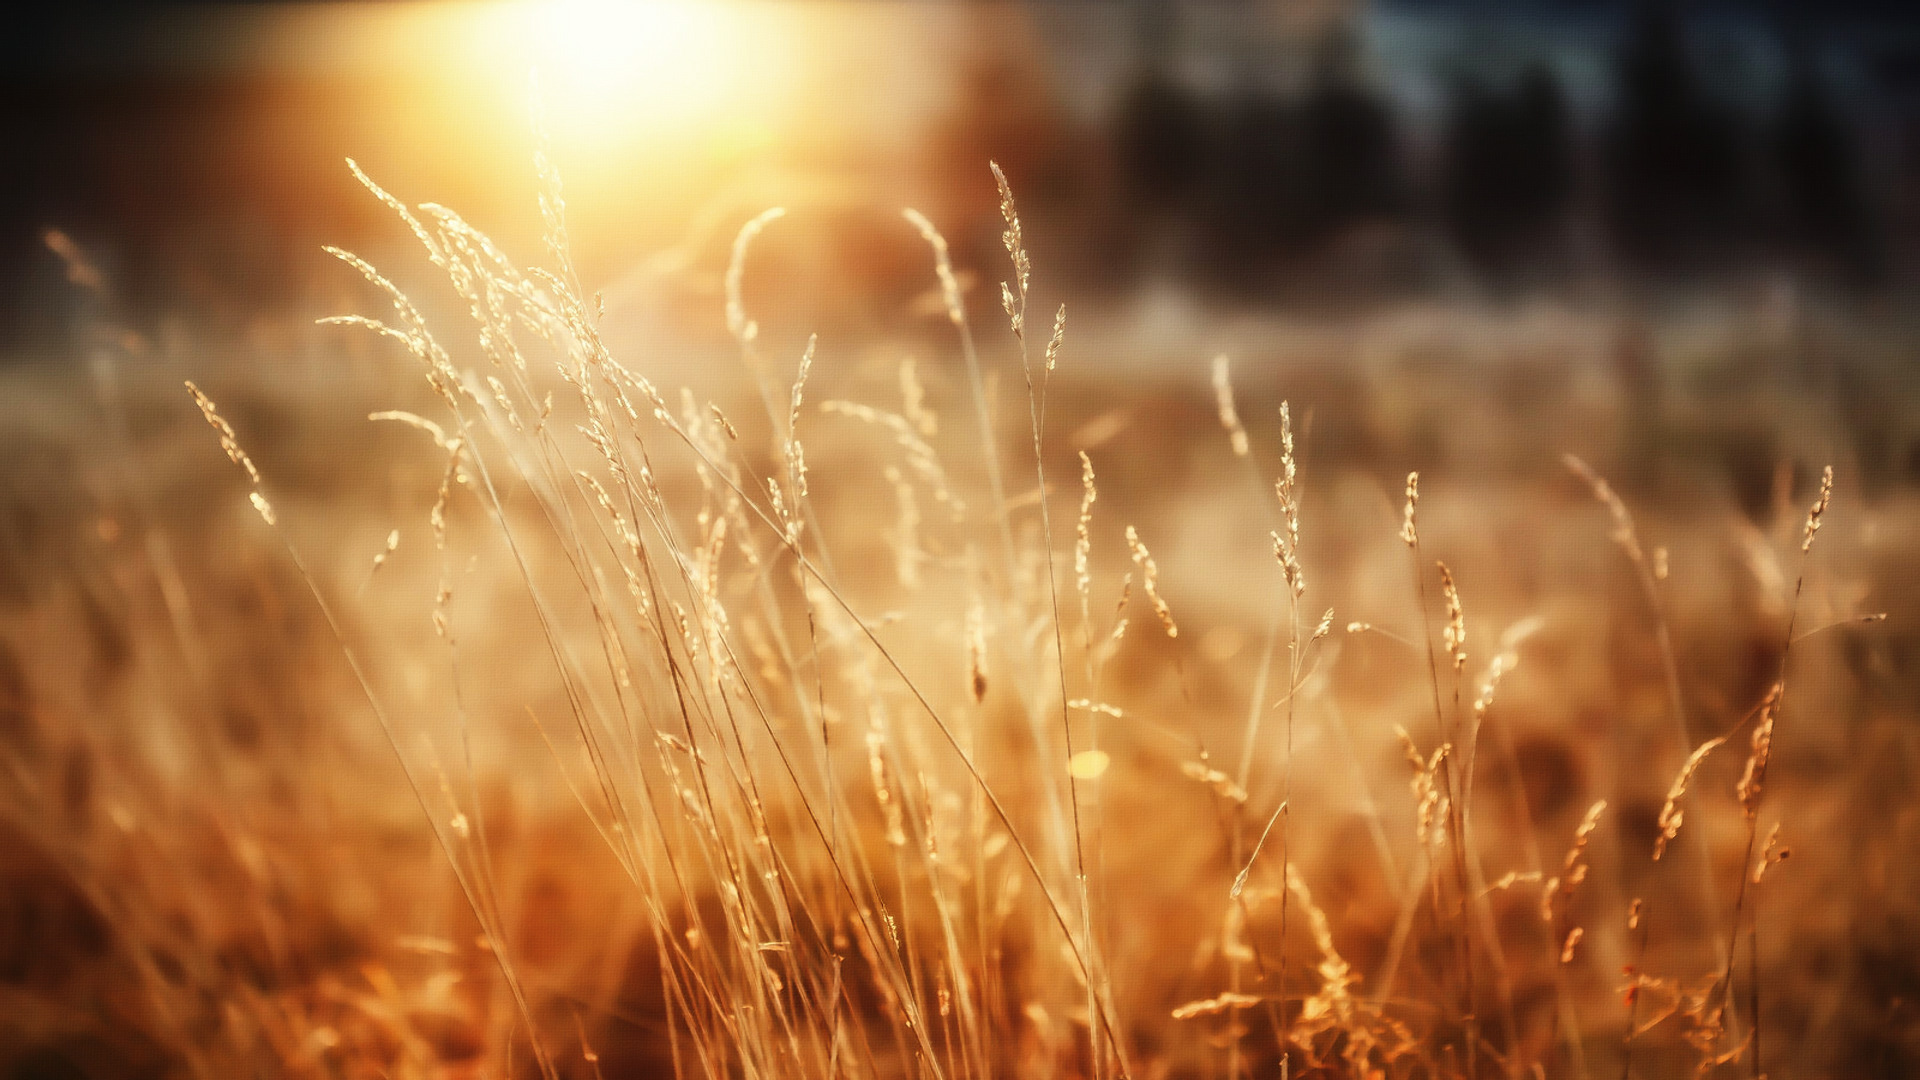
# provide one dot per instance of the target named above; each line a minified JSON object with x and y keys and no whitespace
{"x":611,"y":71}
{"x":666,"y":59}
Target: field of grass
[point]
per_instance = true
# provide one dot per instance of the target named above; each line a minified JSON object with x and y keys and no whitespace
{"x":1018,"y":694}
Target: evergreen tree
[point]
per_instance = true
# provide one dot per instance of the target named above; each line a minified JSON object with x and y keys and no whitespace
{"x":1508,"y":172}
{"x":1676,"y":179}
{"x":1822,"y":190}
{"x":1349,"y":143}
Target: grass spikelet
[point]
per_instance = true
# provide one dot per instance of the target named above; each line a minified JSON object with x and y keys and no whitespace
{"x":920,"y":457}
{"x":913,"y":401}
{"x":1455,"y":632}
{"x":1818,"y":509}
{"x":1670,"y":812}
{"x":416,"y":421}
{"x":1624,"y":533}
{"x":1214,"y":1006}
{"x":1771,"y":854}
{"x":1431,"y":806}
{"x":1583,"y":834}
{"x":743,"y":329}
{"x":1409,"y":527}
{"x":265,"y":508}
{"x":437,"y":516}
{"x":1512,"y":878}
{"x":1573,"y":942}
{"x":796,"y":454}
{"x":1015,"y":299}
{"x":399,"y":208}
{"x":505,"y":402}
{"x":1753,"y":777}
{"x":783,"y":513}
{"x":387,"y":550}
{"x":942,"y":264}
{"x":1497,"y":669}
{"x":1220,"y":782}
{"x":81,"y":271}
{"x":883,"y":791}
{"x":908,"y":554}
{"x":1574,"y":867}
{"x":1334,"y":999}
{"x":1150,"y":580}
{"x":1331,"y":1019}
{"x":1059,"y":335}
{"x":1223,"y":400}
{"x":228,"y":442}
{"x":1286,"y":548}
{"x":440,"y":372}
{"x":1083,"y":534}
{"x":1120,"y":614}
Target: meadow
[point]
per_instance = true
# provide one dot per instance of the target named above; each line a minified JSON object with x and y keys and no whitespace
{"x":443,"y":690}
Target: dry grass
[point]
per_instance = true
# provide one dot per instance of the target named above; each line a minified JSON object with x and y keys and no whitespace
{"x":756,"y":737}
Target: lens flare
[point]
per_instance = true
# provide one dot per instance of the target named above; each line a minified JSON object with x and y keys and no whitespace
{"x":650,"y":63}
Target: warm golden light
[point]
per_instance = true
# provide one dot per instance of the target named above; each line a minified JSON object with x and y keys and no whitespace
{"x":638,"y":64}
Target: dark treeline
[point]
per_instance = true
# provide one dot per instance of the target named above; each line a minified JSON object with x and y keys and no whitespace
{"x":206,"y":190}
{"x":1260,"y":177}
{"x":1672,"y":181}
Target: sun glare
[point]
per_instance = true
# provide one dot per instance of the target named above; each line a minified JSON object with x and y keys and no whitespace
{"x":665,"y":61}
{"x":612,"y":71}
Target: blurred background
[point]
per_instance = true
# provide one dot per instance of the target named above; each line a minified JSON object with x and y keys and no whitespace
{"x":1333,"y":152}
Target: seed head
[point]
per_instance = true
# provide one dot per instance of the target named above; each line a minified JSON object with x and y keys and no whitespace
{"x":942,"y":264}
{"x":1818,"y":508}
{"x":227,"y":440}
{"x":1409,"y":530}
{"x":1150,"y":578}
{"x":1456,"y":630}
{"x":1670,"y":813}
{"x":1753,"y":779}
{"x":1223,"y":399}
{"x":1083,"y":539}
